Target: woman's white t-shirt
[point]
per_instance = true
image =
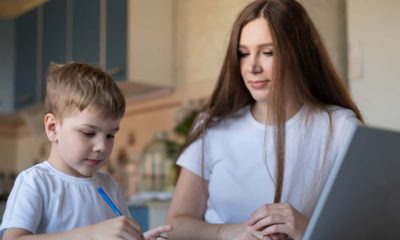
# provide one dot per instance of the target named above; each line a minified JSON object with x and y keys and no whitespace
{"x":239,"y":161}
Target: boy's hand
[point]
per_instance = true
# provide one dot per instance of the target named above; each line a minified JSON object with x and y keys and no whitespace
{"x":116,"y":228}
{"x":152,"y":234}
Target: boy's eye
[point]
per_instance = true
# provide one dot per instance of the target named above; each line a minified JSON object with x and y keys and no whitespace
{"x":110,"y":136}
{"x":88,"y":134}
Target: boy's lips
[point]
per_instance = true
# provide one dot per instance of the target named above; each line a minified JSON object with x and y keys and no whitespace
{"x":93,"y":162}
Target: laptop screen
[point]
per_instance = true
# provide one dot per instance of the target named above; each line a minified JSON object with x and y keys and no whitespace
{"x":361,"y":199}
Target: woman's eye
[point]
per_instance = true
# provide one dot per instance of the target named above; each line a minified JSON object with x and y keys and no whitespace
{"x":243,"y":54}
{"x":268,"y":53}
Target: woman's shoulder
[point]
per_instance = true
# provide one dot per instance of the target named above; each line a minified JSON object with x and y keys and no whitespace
{"x":332,"y":112}
{"x":339,"y":111}
{"x":341,"y":121}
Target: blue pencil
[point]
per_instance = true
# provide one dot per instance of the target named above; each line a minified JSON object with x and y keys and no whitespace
{"x":109,"y":202}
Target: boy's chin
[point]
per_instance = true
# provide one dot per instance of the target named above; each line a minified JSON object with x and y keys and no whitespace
{"x":85,"y":173}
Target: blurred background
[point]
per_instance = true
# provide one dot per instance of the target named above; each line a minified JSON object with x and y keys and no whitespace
{"x":165,"y":55}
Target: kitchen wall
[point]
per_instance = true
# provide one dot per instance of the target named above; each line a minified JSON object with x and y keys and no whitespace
{"x":201,"y":34}
{"x":374,"y":70}
{"x":8,"y":157}
{"x":330,"y":19}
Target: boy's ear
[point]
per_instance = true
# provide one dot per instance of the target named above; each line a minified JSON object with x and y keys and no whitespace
{"x":50,"y":122}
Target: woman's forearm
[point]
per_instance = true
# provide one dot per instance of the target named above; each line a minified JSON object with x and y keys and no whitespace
{"x":189,"y":228}
{"x":185,"y":227}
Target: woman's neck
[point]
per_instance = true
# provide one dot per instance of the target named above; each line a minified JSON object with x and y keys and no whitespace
{"x":262,"y":111}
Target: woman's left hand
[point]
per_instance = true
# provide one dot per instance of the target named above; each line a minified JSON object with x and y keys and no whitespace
{"x":279,"y":218}
{"x":156,"y":233}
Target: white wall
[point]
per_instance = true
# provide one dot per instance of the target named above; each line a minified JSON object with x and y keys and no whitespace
{"x":151,"y":41}
{"x":329,"y":16}
{"x":374,"y":71}
{"x":202,"y":34}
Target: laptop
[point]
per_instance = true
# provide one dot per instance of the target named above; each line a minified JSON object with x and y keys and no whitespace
{"x":361,"y":199}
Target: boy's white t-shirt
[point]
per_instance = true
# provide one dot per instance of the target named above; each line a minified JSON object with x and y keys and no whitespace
{"x":45,"y":200}
{"x":239,"y":161}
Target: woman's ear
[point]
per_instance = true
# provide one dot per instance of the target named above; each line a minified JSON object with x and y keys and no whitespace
{"x":50,"y":122}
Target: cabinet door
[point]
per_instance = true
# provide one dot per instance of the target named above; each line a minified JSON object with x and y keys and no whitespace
{"x":116,"y":38}
{"x":141,"y":215}
{"x":54,"y":35}
{"x":26,"y":64}
{"x":7,"y":65}
{"x":86,"y":31}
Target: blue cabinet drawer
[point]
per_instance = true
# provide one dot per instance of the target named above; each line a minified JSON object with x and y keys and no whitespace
{"x":151,"y":214}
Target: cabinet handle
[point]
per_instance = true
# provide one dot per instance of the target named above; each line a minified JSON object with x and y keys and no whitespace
{"x":25,"y":99}
{"x":116,"y":70}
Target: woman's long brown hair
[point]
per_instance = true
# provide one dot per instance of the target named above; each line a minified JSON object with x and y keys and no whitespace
{"x":300,"y":60}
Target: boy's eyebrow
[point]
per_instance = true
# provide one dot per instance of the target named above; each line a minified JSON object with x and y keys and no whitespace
{"x":94,"y":127}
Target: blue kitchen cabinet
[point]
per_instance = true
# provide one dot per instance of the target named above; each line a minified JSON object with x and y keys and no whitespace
{"x":7,"y":65}
{"x":81,"y":41}
{"x":60,"y":31}
{"x":54,"y":36}
{"x":150,"y":214}
{"x":26,"y":60}
{"x":117,"y":38}
{"x":86,"y":31}
{"x":141,"y":215}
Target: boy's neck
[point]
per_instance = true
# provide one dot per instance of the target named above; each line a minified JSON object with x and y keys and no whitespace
{"x":56,"y":162}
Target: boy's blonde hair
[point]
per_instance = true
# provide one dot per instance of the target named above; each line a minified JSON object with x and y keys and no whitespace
{"x":75,"y":86}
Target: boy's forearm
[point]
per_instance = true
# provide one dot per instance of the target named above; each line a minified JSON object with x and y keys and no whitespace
{"x":78,"y":233}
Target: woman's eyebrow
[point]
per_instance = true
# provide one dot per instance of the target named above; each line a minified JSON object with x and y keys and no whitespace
{"x":260,"y":45}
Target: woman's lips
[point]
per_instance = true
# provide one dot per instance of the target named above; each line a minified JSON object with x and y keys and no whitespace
{"x":258,"y":84}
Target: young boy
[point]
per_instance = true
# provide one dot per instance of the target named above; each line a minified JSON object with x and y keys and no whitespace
{"x":58,"y":199}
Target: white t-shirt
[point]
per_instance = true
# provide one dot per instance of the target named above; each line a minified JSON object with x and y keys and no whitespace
{"x":45,"y":200}
{"x":239,"y":149}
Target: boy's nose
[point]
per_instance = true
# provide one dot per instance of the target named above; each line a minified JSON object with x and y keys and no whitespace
{"x":100,"y":146}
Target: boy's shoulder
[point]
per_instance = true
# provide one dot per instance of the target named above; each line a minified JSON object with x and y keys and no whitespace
{"x":39,"y":169}
{"x":43,"y":175}
{"x":105,"y":179}
{"x":33,"y":178}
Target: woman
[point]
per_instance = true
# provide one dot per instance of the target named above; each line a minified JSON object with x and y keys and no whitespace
{"x":259,"y":155}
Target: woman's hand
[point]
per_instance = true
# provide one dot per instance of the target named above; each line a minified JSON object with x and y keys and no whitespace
{"x":239,"y":232}
{"x":276,"y":219}
{"x":126,"y":228}
{"x":155,"y":233}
